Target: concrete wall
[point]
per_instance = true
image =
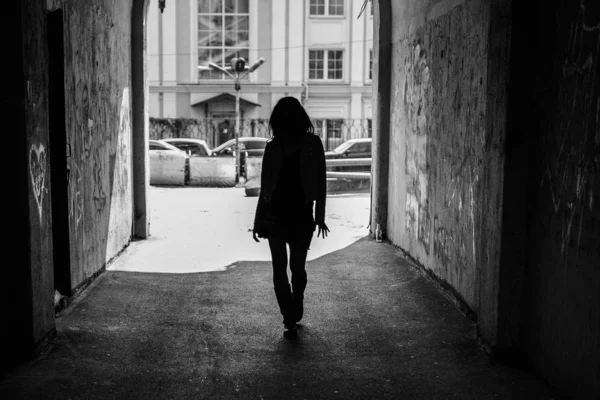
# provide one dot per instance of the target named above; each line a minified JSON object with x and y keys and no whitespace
{"x":438,"y":136}
{"x":494,"y":157}
{"x":37,"y":319}
{"x":98,"y":116}
{"x":555,"y":136}
{"x":98,"y":129}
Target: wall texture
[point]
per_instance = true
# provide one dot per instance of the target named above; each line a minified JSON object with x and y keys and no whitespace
{"x":98,"y":103}
{"x":439,"y":82}
{"x":493,"y":172}
{"x":561,"y":324}
{"x":40,"y":287}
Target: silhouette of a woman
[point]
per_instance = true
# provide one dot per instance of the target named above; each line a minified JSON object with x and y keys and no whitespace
{"x":292,"y":179}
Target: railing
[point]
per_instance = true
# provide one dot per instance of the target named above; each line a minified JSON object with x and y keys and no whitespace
{"x":334,"y":132}
{"x":218,"y":130}
{"x":350,"y":162}
{"x":213,"y":131}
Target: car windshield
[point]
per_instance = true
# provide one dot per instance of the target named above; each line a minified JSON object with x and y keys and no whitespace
{"x":195,"y":147}
{"x":249,"y":144}
{"x":158,"y":145}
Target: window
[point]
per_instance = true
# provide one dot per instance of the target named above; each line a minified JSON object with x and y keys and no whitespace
{"x":256,"y":144}
{"x":325,"y":64}
{"x":327,"y":7}
{"x":364,"y":147}
{"x":223,"y":33}
{"x":328,"y":128}
{"x":369,"y":127}
{"x":334,"y":128}
{"x":371,"y":64}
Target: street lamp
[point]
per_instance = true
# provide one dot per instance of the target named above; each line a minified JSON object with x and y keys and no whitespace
{"x":237,"y":71}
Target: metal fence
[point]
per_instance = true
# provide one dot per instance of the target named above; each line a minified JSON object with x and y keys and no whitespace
{"x":216,"y":131}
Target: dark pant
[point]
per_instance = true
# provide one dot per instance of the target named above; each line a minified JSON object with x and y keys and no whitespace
{"x":289,"y":298}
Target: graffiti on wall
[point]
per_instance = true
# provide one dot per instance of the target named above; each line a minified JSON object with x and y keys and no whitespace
{"x":453,"y":242}
{"x":37,"y":172}
{"x":416,"y":103}
{"x":76,"y":208}
{"x":570,"y":174}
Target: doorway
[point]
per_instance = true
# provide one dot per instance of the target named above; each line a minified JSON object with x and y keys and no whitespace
{"x":59,"y":152}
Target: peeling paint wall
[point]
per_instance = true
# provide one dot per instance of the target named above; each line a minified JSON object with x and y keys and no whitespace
{"x":98,"y":104}
{"x":437,"y":135}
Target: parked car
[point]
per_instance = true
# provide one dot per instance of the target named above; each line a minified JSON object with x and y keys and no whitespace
{"x":254,"y":146}
{"x":353,"y":148}
{"x":167,"y":164}
{"x":192,"y":147}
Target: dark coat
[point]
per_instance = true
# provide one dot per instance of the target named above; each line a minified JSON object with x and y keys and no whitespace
{"x":312,"y":173}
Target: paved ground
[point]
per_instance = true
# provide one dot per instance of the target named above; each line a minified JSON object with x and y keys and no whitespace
{"x":373,"y":328}
{"x":204,"y":229}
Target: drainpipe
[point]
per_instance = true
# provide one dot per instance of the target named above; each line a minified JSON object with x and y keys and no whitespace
{"x":381,"y":116}
{"x":160,"y":64}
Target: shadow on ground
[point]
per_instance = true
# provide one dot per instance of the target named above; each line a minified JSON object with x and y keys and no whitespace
{"x":373,"y":328}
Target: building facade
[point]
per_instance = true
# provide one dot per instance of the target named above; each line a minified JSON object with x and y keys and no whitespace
{"x":315,"y":50}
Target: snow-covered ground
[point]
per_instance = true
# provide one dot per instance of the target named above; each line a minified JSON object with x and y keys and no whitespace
{"x":208,"y":229}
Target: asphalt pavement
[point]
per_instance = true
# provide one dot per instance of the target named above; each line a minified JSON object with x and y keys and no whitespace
{"x":374,"y":328}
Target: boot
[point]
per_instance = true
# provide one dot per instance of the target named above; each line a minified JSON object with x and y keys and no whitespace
{"x":298,"y":307}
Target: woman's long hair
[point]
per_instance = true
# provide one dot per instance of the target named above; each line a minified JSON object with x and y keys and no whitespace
{"x":289,"y":118}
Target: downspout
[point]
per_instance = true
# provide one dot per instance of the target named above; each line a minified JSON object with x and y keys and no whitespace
{"x":304,"y":51}
{"x":381,"y":117}
{"x":350,"y":46}
{"x":160,"y":65}
{"x":287,"y":43}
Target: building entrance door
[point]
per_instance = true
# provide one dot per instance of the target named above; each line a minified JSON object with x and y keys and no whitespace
{"x":224,"y":123}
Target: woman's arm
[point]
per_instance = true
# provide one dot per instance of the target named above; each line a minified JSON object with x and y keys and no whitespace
{"x":321,"y":182}
{"x":260,"y":206}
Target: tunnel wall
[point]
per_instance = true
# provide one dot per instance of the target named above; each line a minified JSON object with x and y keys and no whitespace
{"x":493,"y":172}
{"x":438,"y":137}
{"x":98,"y":103}
{"x":36,"y":268}
{"x":97,"y":71}
{"x":555,"y":117}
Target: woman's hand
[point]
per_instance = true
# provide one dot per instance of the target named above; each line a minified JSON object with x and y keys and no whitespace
{"x":323,"y":229}
{"x":254,"y":236}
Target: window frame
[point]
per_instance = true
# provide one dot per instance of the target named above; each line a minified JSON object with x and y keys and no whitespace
{"x":222,"y":48}
{"x":326,"y":10}
{"x":370,"y":69}
{"x":325,"y":65}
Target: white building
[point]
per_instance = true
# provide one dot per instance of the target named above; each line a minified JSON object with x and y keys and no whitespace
{"x":316,"y":50}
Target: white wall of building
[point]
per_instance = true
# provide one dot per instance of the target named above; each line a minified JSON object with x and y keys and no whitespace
{"x":285,"y":43}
